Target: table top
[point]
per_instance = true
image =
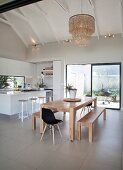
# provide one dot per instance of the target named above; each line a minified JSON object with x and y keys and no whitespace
{"x":72,"y":100}
{"x":64,"y":106}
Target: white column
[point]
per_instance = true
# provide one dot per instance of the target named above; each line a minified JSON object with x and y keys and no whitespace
{"x":58,"y":80}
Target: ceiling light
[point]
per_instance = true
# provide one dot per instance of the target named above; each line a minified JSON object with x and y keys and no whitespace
{"x":36,"y":46}
{"x":33,"y":41}
{"x":109,"y":35}
{"x":67,"y":41}
{"x":81,"y":26}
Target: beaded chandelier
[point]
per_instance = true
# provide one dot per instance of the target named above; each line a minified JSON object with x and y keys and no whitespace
{"x":81,"y":26}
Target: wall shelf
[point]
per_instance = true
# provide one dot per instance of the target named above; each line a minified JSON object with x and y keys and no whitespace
{"x":47,"y":72}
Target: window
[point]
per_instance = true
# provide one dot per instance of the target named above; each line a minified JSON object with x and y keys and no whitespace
{"x":11,"y":81}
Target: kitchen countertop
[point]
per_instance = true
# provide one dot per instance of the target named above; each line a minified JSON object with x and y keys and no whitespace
{"x":2,"y":92}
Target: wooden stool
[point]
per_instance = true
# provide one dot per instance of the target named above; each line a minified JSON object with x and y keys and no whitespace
{"x":22,"y":116}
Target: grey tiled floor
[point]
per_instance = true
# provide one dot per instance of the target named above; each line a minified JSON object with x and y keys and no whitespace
{"x":21,"y":149}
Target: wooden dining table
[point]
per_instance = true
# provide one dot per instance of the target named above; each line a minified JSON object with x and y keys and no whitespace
{"x":71,"y":107}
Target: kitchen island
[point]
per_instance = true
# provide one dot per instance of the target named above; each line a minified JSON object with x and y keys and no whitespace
{"x":9,"y":100}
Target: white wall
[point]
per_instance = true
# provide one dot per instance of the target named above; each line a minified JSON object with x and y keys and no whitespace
{"x":10,"y":44}
{"x":103,"y":50}
{"x":98,"y":51}
{"x":17,"y":68}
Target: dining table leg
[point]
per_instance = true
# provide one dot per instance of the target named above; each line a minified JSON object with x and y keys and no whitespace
{"x":72,"y":124}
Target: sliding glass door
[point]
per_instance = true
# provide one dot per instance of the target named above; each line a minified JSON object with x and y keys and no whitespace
{"x":106,"y":82}
{"x":100,"y":80}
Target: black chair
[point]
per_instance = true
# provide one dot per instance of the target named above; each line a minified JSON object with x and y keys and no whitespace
{"x":49,"y":118}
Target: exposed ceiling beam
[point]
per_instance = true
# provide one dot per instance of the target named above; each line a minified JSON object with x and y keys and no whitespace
{"x":95,"y":16}
{"x":17,"y":14}
{"x":5,"y":21}
{"x":27,"y":19}
{"x":15,"y":4}
{"x":48,"y":21}
{"x":121,"y":3}
{"x":15,"y":30}
{"x":63,"y":5}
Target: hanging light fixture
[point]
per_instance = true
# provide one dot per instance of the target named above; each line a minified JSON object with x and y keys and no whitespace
{"x":81,"y":26}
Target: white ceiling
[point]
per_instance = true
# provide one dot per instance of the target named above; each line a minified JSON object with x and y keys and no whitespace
{"x":48,"y":20}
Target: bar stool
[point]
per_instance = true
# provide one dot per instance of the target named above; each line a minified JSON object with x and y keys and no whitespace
{"x":36,"y":115}
{"x":41,"y":100}
{"x":33,"y":99}
{"x":21,"y":115}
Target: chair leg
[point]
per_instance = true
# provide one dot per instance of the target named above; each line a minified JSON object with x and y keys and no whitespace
{"x":53,"y":134}
{"x":32,"y":108}
{"x":43,"y":133}
{"x":82,"y":111}
{"x":50,"y":126}
{"x":59,"y":130}
{"x":89,"y":108}
{"x":22,"y":113}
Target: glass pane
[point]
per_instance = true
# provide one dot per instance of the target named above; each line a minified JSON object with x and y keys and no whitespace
{"x":106,"y":85}
{"x":11,"y":82}
{"x":16,"y":81}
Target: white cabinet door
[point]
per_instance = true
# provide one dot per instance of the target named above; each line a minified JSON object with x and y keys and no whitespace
{"x":58,"y":80}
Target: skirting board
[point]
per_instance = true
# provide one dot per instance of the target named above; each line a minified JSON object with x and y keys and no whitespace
{"x":121,"y":109}
{"x":15,"y":116}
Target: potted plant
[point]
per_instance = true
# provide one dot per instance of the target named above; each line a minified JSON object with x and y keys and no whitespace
{"x":114,"y":95}
{"x":71,"y":90}
{"x":4,"y":81}
{"x":41,"y":85}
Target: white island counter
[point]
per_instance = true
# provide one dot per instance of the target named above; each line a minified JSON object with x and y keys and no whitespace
{"x":9,"y":104}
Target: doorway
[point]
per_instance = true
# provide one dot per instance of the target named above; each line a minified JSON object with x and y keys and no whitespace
{"x":100,"y":80}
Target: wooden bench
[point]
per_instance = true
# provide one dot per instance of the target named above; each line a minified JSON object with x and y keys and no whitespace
{"x":35,"y":115}
{"x":88,"y":121}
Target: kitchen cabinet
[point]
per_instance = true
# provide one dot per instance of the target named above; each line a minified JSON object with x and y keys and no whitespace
{"x":9,"y":101}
